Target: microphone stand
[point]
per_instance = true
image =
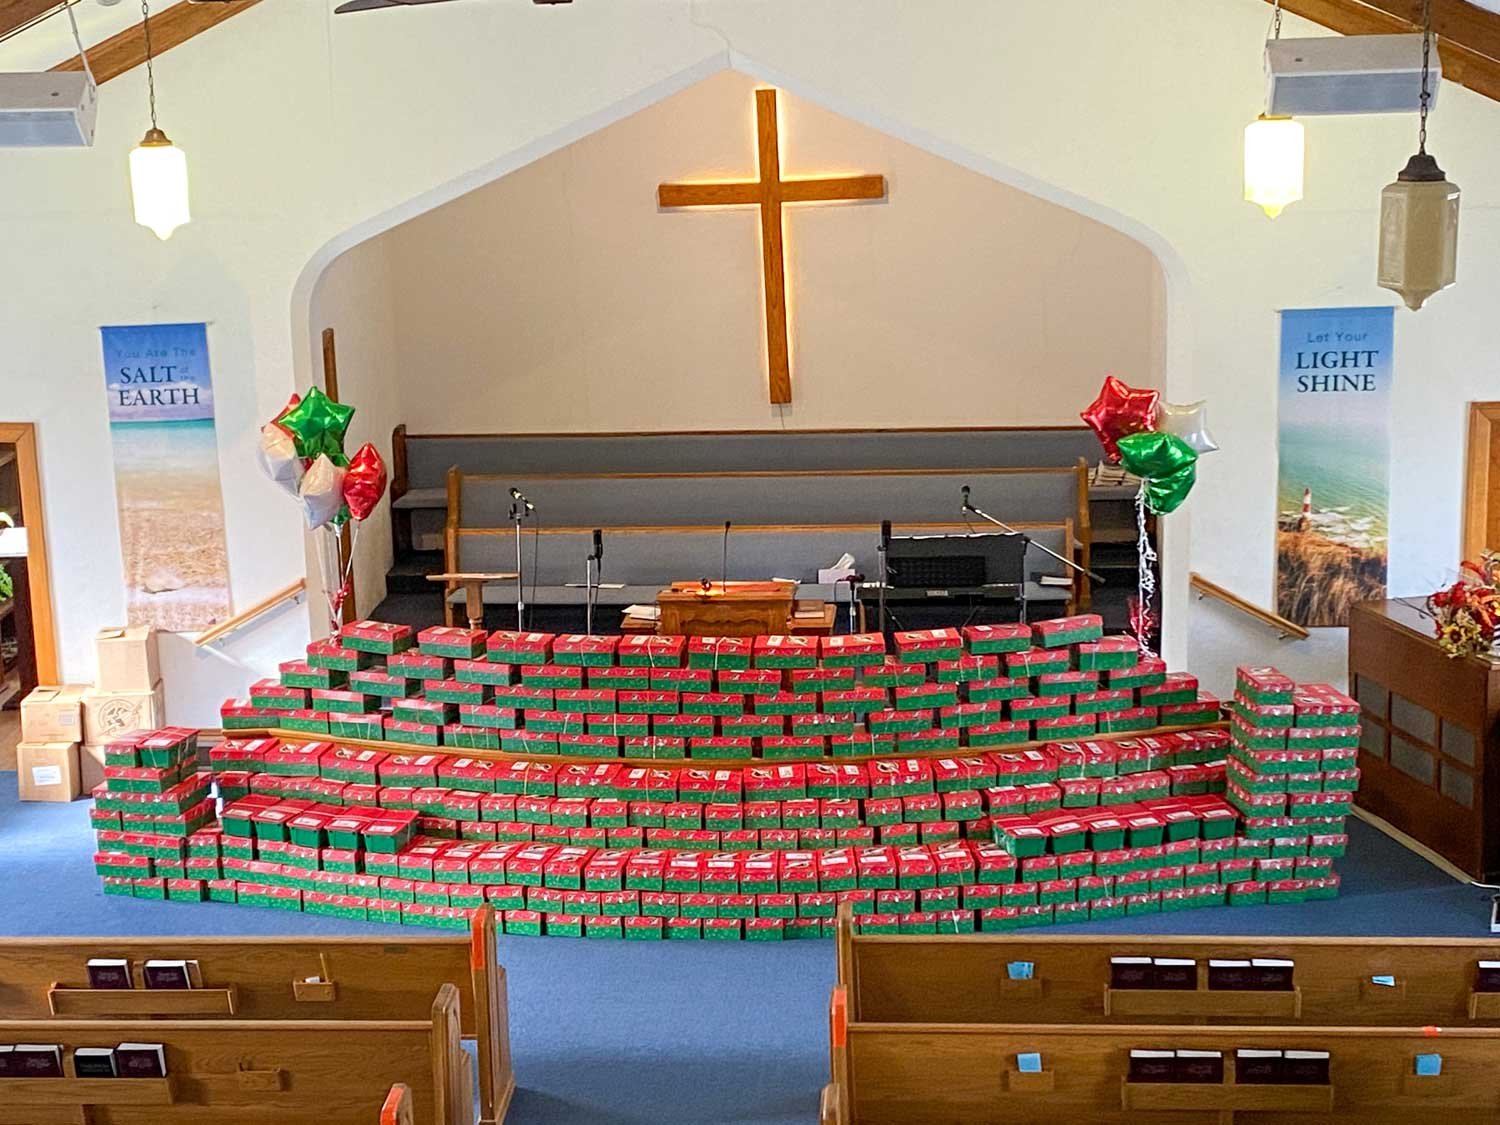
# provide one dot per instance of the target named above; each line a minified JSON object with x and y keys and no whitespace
{"x":1027,"y":542}
{"x":595,"y":558}
{"x":517,"y":514}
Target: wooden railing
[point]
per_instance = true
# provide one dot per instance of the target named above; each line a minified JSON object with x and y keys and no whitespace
{"x":1283,"y":627}
{"x":287,"y":593}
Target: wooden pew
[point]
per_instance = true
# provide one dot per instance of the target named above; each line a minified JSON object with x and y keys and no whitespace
{"x":941,"y":1074}
{"x":965,"y":979}
{"x":252,"y":1072}
{"x":359,"y":978}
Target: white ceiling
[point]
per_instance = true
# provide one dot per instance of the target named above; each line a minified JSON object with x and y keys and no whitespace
{"x":1490,"y":5}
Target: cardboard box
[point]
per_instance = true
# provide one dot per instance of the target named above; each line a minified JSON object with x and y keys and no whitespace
{"x":110,"y":713}
{"x":53,"y":714}
{"x":127,"y":659}
{"x":47,"y":771}
{"x":90,"y":767}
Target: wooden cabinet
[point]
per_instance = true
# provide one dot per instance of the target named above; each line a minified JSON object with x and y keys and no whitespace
{"x":1428,"y":749}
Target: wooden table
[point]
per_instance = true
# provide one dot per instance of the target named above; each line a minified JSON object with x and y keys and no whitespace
{"x":1430,"y":736}
{"x":712,"y":617}
{"x":473,"y":587}
{"x":725,"y":609}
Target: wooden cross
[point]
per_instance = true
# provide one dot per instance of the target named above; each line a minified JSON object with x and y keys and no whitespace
{"x":770,"y":192}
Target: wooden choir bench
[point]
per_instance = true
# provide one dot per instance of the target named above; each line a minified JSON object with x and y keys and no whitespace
{"x":252,"y":1072}
{"x":280,"y":979}
{"x":984,"y":979}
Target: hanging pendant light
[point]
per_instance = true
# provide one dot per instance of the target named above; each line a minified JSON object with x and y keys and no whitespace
{"x":158,"y":168}
{"x":1419,"y":213}
{"x":1273,"y":154}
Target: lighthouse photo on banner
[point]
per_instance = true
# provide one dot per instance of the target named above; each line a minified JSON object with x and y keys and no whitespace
{"x":1333,"y":451}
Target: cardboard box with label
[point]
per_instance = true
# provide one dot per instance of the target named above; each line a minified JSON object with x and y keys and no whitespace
{"x":107,"y":714}
{"x":47,"y":771}
{"x":53,"y":714}
{"x":127,"y":659}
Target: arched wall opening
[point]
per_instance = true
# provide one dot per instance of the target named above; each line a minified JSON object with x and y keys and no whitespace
{"x":546,"y":292}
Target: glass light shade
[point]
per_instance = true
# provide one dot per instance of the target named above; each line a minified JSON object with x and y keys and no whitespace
{"x":159,"y":184}
{"x":1273,"y":163}
{"x":1418,"y":232}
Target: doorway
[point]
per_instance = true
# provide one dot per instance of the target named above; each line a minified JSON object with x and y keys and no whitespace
{"x":28,"y":644}
{"x":1482,"y":481}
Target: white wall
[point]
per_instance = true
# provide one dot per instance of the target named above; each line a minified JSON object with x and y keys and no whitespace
{"x":562,"y":298}
{"x":308,"y":133}
{"x":355,"y":297}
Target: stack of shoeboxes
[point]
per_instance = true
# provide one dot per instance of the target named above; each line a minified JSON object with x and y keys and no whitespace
{"x":831,"y":770}
{"x":1292,"y":774}
{"x":153,"y":817}
{"x":126,"y":696}
{"x":47,"y":766}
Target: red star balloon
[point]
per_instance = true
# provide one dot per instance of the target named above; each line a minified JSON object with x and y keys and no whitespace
{"x":364,"y":483}
{"x":1120,"y":409}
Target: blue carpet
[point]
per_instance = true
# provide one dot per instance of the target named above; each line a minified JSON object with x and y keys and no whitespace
{"x":617,"y":1033}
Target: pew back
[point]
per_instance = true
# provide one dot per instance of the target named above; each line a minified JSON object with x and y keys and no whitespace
{"x":358,"y":978}
{"x":251,"y":1072}
{"x":969,"y":979}
{"x":903,"y":1074}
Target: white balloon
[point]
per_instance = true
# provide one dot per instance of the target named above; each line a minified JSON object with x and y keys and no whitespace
{"x":1189,"y":421}
{"x":321,"y":492}
{"x":277,"y":454}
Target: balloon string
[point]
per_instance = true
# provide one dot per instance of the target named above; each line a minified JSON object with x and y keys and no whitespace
{"x":1145,"y":555}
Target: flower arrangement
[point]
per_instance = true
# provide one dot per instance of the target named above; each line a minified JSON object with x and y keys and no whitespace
{"x":1466,"y":613}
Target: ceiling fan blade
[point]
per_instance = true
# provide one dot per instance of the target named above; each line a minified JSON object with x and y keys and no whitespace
{"x":377,"y":5}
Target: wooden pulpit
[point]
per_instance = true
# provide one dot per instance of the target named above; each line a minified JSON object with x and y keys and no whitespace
{"x":725,"y":609}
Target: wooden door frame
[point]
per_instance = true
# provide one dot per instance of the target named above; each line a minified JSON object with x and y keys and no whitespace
{"x":44,"y":637}
{"x":1484,"y":418}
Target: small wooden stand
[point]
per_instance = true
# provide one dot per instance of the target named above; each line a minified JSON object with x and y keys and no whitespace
{"x":473,"y":587}
{"x":725,"y":609}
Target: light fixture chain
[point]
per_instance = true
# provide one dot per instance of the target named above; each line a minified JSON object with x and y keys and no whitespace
{"x":150,"y":71}
{"x":1426,"y":62}
{"x":1276,"y":21}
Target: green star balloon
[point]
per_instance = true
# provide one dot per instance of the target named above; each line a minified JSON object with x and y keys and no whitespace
{"x":1166,"y":461}
{"x":317,"y":425}
{"x":1165,"y":494}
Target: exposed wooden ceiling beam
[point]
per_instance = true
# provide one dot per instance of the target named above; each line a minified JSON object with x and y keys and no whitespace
{"x":18,"y":13}
{"x":1468,"y":37}
{"x":169,"y":28}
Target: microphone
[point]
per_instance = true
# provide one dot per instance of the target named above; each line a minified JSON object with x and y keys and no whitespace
{"x":598,"y":545}
{"x":724,"y":574}
{"x":966,"y":497}
{"x":516,"y":495}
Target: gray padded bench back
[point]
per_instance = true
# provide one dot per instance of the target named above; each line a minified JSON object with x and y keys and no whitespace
{"x":1016,"y":496}
{"x":429,"y":458}
{"x":657,"y":557}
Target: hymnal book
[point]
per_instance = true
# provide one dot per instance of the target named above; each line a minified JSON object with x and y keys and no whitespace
{"x":94,"y":1062}
{"x":35,"y":1060}
{"x":1229,"y":975}
{"x":1200,"y":1066}
{"x":1488,"y":977}
{"x":1153,"y":1066}
{"x":167,"y":974}
{"x":1131,"y":972}
{"x":1305,"y":1068}
{"x":1259,"y":1067}
{"x":109,"y":972}
{"x":1180,"y":973}
{"x":141,"y":1060}
{"x":1271,"y":974}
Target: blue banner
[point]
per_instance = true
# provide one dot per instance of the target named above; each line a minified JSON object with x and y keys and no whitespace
{"x":1333,"y":450}
{"x":166,"y":455}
